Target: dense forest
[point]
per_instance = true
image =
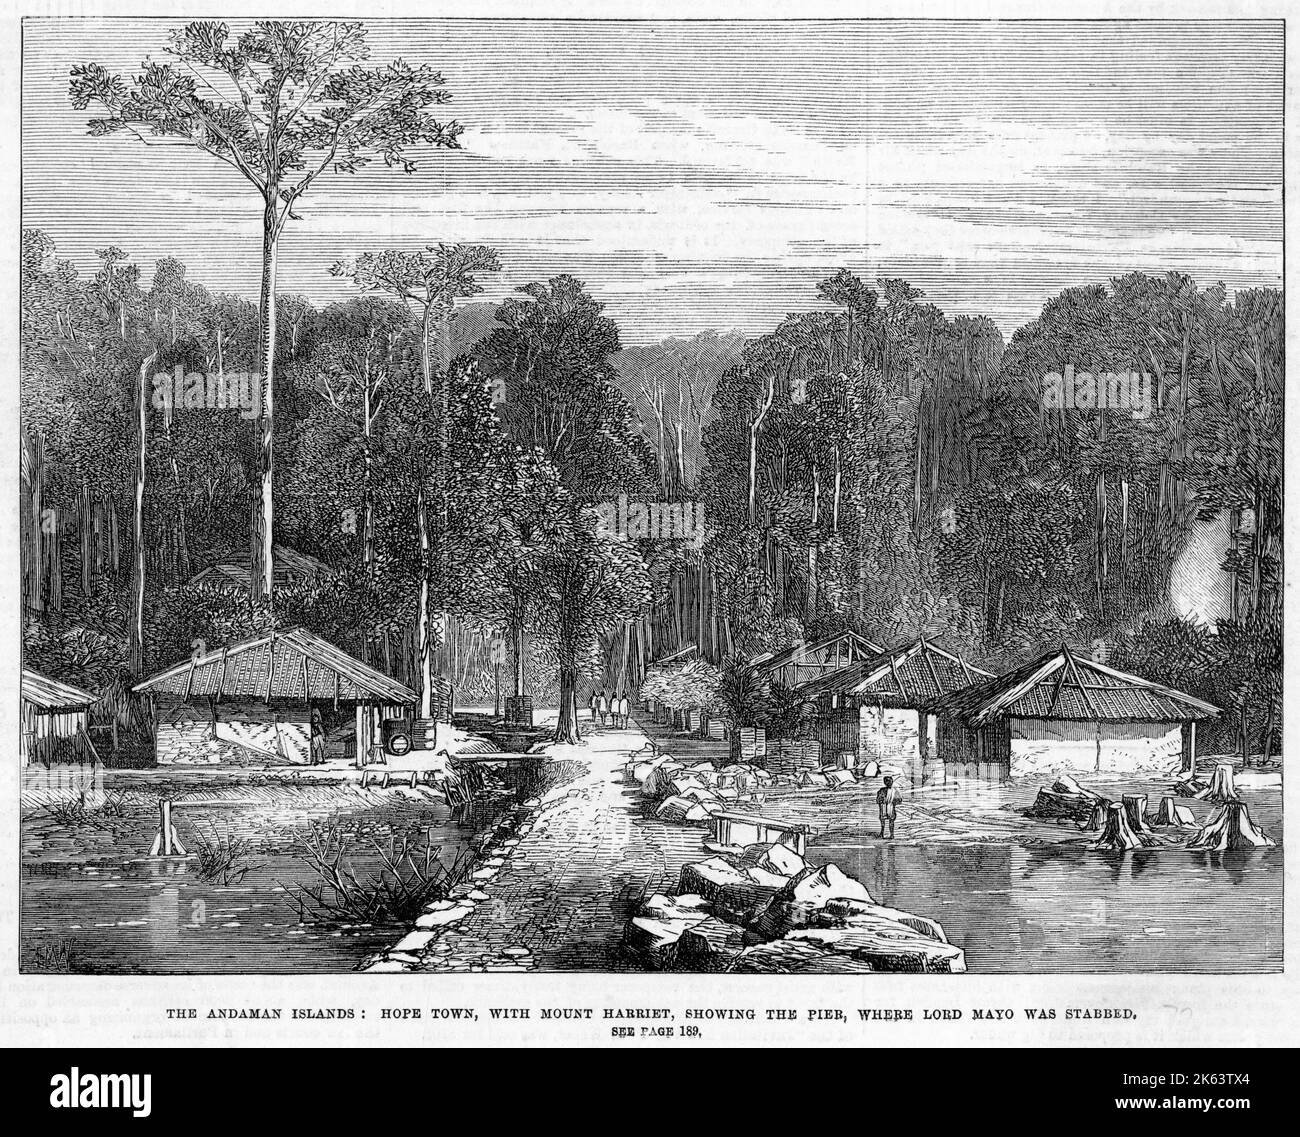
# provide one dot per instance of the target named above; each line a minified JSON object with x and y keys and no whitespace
{"x":870,"y":463}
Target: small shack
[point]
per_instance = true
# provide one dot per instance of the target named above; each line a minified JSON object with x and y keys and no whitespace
{"x":54,"y":717}
{"x":806,"y":661}
{"x":873,"y":709}
{"x":255,"y":701}
{"x":1065,"y":712}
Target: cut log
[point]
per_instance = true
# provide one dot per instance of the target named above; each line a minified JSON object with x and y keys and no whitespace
{"x":1192,"y":787}
{"x":1173,"y":814}
{"x":1223,"y":786}
{"x":1066,"y":784}
{"x":1230,"y":827}
{"x":1052,"y":805}
{"x":1118,"y":834}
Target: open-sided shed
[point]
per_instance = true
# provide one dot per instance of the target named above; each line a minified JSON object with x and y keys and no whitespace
{"x":1063,"y":711}
{"x":809,"y":660}
{"x":53,"y":721}
{"x":874,"y":708}
{"x":259,"y":696}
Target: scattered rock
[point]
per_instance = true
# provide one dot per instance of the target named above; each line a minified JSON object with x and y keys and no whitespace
{"x":658,"y":925}
{"x":730,"y":889}
{"x":816,"y":886}
{"x":684,"y":809}
{"x":413,"y":941}
{"x":710,"y":945}
{"x":775,"y":858}
{"x":438,"y":919}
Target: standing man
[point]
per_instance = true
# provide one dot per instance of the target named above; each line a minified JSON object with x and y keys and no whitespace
{"x":317,"y":737}
{"x":593,"y":706}
{"x":623,"y":709}
{"x":887,"y":800}
{"x":603,"y":707}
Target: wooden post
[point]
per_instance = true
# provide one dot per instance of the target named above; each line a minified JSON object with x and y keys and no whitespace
{"x":1189,"y":747}
{"x":165,"y":826}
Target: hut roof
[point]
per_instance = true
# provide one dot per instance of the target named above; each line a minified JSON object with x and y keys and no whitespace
{"x":815,"y":651}
{"x":673,"y":656}
{"x":294,"y":664}
{"x":909,"y":675}
{"x":51,"y":695}
{"x":289,"y":564}
{"x":1062,"y":685}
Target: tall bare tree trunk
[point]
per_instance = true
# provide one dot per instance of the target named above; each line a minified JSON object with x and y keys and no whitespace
{"x":264,"y":517}
{"x":135,"y":636}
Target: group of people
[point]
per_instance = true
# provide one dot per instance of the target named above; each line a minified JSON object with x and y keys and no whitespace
{"x":610,"y":707}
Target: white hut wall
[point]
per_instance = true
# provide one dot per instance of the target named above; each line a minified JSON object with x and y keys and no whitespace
{"x":1042,"y":746}
{"x":895,"y":735}
{"x":283,"y":731}
{"x":267,"y":732}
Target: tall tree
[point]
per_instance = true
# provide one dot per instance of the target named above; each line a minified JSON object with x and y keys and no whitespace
{"x":282,"y":104}
{"x":430,"y":282}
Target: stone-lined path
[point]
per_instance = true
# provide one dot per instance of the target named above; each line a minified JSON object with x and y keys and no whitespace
{"x":560,"y":896}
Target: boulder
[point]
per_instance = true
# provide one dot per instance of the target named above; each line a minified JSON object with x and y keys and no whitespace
{"x":701,"y":794}
{"x":642,"y":770}
{"x":788,"y":957}
{"x":837,"y":778}
{"x":652,"y":933}
{"x":774,"y":858}
{"x":816,"y":886}
{"x":843,"y":913}
{"x":809,"y":891}
{"x":885,"y":945}
{"x":683,"y":809}
{"x":659,"y":783}
{"x":732,"y":890}
{"x":710,"y":945}
{"x":684,"y":782}
{"x":870,"y":769}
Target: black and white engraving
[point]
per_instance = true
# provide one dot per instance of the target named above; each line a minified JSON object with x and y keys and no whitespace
{"x":537,"y":495}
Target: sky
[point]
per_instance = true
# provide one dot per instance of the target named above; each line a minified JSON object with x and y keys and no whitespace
{"x":707,"y":174}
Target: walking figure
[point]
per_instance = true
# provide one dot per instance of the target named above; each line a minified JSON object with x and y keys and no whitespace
{"x":603,"y":707}
{"x":593,"y":706}
{"x":887,"y":800}
{"x":623,"y":709}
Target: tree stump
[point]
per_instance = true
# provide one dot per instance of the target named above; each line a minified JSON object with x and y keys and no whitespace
{"x":1135,"y":807}
{"x":1223,"y":786}
{"x":1173,"y":814}
{"x":1118,"y":834}
{"x":1230,"y":827}
{"x":1097,"y":820}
